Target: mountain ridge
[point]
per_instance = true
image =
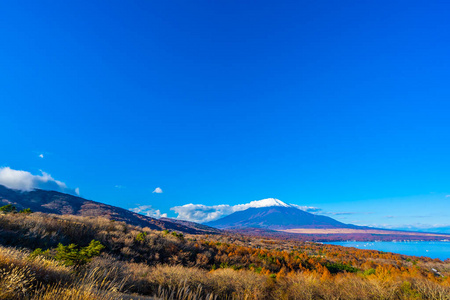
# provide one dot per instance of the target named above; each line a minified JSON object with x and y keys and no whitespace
{"x":53,"y":202}
{"x":276,"y":218}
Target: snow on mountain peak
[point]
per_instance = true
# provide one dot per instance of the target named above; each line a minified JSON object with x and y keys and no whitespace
{"x":267,"y":203}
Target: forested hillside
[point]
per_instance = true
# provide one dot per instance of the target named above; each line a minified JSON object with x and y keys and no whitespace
{"x":71,"y":257}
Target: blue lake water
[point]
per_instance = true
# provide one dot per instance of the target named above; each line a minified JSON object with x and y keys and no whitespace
{"x":439,"y":249}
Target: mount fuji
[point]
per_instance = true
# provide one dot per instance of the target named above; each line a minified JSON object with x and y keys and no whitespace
{"x":274,"y":214}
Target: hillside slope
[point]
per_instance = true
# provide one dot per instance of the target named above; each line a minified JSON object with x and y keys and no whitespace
{"x":65,"y":204}
{"x":128,"y":262}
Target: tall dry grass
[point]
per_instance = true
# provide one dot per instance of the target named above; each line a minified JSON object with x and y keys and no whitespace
{"x":23,"y":277}
{"x":93,"y":285}
{"x":161,"y":265}
{"x":108,"y":278}
{"x":303,"y":286}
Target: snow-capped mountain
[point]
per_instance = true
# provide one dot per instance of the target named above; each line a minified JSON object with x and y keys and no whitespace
{"x":267,"y":203}
{"x":274,"y":214}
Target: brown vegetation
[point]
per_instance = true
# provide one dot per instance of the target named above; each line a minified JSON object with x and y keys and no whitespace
{"x":139,"y":263}
{"x":52,"y":202}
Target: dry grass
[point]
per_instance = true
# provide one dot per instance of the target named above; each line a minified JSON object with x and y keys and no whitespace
{"x":41,"y":278}
{"x":41,"y":268}
{"x":224,"y":283}
{"x":165,"y":266}
{"x":15,"y":282}
{"x":108,"y":278}
{"x":93,"y":285}
{"x":304,"y":286}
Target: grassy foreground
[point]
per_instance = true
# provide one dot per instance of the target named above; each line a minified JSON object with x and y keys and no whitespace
{"x":66,"y":257}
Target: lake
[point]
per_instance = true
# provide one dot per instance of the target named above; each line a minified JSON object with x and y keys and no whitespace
{"x":438,"y":249}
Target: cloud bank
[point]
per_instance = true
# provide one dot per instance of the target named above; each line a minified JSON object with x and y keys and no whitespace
{"x":203,"y":213}
{"x":148,"y":211}
{"x":25,"y":181}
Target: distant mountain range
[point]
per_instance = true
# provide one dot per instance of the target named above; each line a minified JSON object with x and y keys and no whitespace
{"x":431,"y":229}
{"x":268,"y":217}
{"x":274,"y":214}
{"x":64,"y":204}
{"x":276,"y":219}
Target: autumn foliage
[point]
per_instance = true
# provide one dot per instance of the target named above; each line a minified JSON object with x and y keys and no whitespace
{"x":96,"y":258}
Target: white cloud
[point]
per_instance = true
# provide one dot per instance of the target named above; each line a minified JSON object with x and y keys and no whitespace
{"x":343,"y":213}
{"x":25,"y":181}
{"x":41,"y":155}
{"x":158,"y":190}
{"x":202,"y":213}
{"x":148,"y":211}
{"x":413,"y":227}
{"x":447,"y":196}
{"x":310,"y":209}
{"x":77,"y":191}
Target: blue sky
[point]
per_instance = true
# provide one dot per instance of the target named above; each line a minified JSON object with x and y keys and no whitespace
{"x":341,"y":105}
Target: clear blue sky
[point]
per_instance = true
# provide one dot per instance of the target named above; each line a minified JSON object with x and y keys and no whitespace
{"x":342,"y":105}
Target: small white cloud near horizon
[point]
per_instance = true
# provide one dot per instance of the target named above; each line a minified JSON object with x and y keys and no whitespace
{"x":413,"y":227}
{"x":203,"y":213}
{"x":25,"y":181}
{"x":149,"y":211}
{"x":158,"y":190}
{"x":310,"y":209}
{"x":41,"y":155}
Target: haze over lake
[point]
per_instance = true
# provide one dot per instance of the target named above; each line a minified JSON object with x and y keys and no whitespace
{"x":435,"y":249}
